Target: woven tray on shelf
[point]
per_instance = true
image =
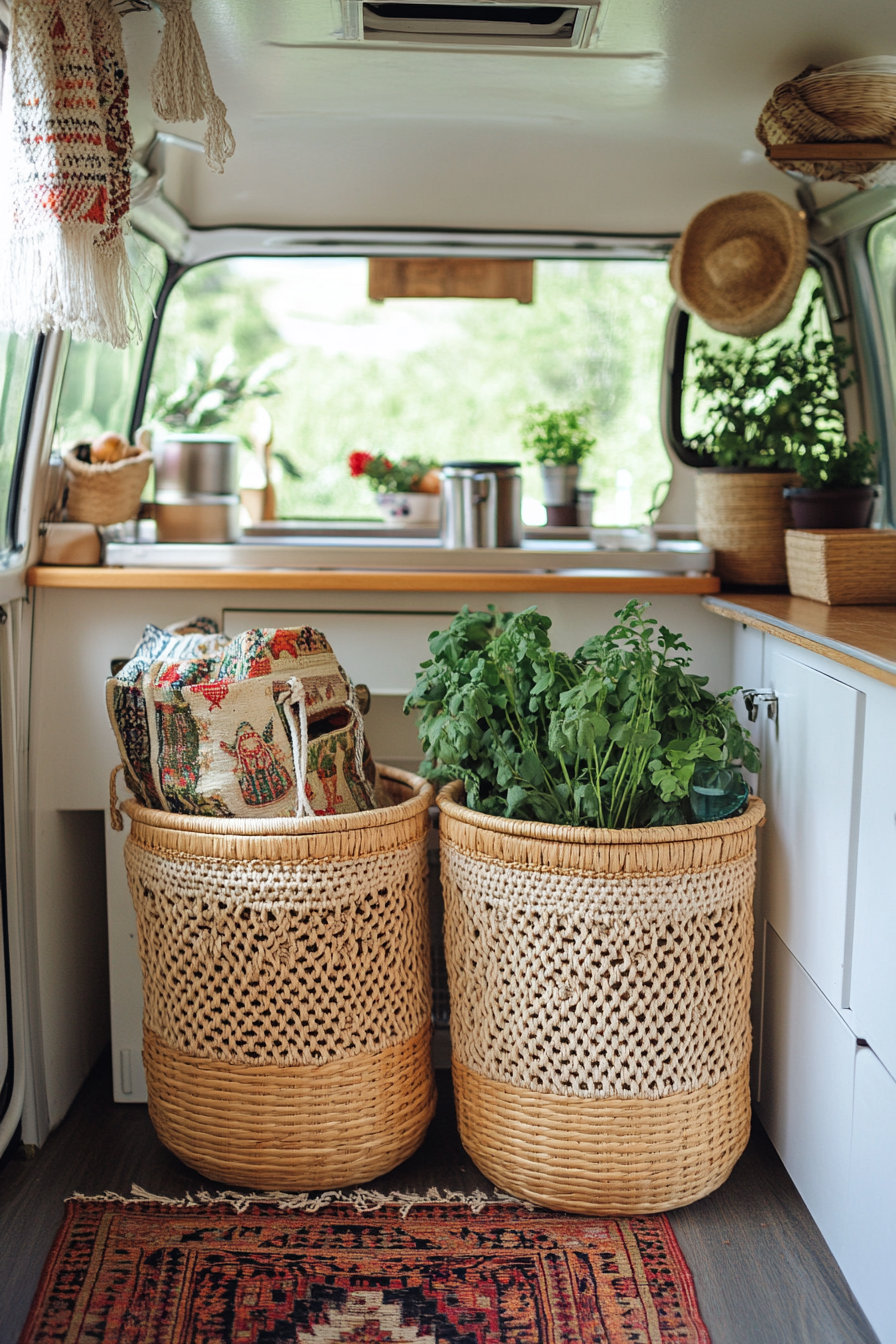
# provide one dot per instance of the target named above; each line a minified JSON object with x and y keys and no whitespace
{"x":600,"y":987}
{"x":287,"y":1011}
{"x":843,"y":567}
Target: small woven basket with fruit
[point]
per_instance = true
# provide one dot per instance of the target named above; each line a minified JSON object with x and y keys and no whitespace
{"x":105,"y":479}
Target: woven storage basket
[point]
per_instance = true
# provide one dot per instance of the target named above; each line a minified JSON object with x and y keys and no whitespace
{"x":104,"y":493}
{"x":742,"y":515}
{"x":286,"y":981}
{"x":600,"y":987}
{"x":835,"y":106}
{"x":842,"y":567}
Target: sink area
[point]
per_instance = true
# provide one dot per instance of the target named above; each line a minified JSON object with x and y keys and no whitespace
{"x":337,"y":545}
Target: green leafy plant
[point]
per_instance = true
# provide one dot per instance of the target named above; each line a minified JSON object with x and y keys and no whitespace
{"x":777,"y":402}
{"x":609,"y":737}
{"x":214,"y":388}
{"x":403,"y":477}
{"x":842,"y":468}
{"x":557,"y":438}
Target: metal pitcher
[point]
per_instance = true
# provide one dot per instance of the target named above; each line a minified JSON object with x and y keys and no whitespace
{"x":481,"y":504}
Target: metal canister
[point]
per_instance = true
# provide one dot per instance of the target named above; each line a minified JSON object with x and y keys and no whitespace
{"x":197,"y":493}
{"x":481,"y":504}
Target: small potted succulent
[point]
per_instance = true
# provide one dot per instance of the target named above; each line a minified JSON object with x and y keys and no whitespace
{"x":559,"y":441}
{"x":407,"y":491}
{"x":837,"y":486}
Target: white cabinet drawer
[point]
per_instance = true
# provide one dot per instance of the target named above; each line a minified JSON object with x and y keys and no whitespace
{"x":382,"y":649}
{"x":811,"y":784}
{"x":870,"y":1231}
{"x":805,"y":1087}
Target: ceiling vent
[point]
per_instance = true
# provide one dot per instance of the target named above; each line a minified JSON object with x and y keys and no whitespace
{"x":472,"y":23}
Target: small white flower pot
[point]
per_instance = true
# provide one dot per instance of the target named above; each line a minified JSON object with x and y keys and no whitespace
{"x":559,"y":485}
{"x":409,"y":510}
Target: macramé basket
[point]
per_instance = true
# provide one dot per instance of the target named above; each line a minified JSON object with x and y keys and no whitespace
{"x":286,"y":981}
{"x":104,"y":493}
{"x":600,"y":989}
{"x":742,"y":515}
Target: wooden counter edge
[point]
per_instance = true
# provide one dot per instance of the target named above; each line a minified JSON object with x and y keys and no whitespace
{"x":364,"y":580}
{"x":837,"y":653}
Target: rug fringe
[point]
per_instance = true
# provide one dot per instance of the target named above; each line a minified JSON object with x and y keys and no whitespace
{"x":363,"y":1201}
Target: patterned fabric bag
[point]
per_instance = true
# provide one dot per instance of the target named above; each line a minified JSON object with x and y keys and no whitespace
{"x":197,"y":640}
{"x":231,"y":735}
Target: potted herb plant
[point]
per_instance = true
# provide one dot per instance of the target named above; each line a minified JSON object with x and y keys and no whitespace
{"x":837,"y":486}
{"x":598,"y":937}
{"x":771,"y":408}
{"x":407,"y":491}
{"x":559,"y":441}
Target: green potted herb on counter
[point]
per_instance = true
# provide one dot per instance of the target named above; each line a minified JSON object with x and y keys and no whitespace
{"x":559,"y":441}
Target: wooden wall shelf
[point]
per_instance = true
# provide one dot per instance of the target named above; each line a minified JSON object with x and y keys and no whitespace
{"x":853,"y":152}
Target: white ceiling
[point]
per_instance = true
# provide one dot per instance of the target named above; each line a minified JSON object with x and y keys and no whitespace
{"x":634,"y":139}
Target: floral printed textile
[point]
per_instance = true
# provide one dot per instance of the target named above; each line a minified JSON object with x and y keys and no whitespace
{"x":231,"y":731}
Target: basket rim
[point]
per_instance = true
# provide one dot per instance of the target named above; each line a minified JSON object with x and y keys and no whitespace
{"x":93,"y":469}
{"x":594,"y":835}
{"x":421,"y":800}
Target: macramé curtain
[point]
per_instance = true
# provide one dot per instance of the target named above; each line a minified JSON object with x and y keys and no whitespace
{"x":65,"y":151}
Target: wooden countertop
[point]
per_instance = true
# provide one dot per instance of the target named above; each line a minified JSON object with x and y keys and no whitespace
{"x":863,"y":638}
{"x":368,"y":580}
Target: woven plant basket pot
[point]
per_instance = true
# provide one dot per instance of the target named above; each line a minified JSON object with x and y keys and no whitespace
{"x":104,"y":493}
{"x":286,"y":979}
{"x":742,"y":515}
{"x":600,"y":988}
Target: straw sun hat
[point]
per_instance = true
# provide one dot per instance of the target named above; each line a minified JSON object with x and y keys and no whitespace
{"x":739,"y":262}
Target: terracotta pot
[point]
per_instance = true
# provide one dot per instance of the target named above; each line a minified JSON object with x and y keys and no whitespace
{"x":825,"y":509}
{"x":743,"y":515}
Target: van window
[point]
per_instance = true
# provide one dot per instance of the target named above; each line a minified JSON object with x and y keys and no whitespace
{"x":99,"y":384}
{"x":16,"y":354}
{"x":433,"y":378}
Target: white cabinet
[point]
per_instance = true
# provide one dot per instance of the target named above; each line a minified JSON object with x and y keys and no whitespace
{"x":806,"y":1087}
{"x":811,"y":784}
{"x":869,"y":1257}
{"x":872,"y":995}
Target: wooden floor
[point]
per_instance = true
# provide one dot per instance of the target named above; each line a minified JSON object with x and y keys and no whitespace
{"x":763,"y":1273}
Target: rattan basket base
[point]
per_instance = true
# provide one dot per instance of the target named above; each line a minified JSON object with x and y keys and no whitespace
{"x":605,"y":1156}
{"x":304,"y":1127}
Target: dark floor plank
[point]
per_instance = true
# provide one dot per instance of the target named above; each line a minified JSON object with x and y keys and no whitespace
{"x":763,"y":1273}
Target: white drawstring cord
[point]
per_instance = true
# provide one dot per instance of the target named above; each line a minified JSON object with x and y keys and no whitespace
{"x":296,"y":696}
{"x":358,"y":721}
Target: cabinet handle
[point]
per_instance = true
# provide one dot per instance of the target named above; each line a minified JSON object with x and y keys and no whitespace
{"x":763,"y":696}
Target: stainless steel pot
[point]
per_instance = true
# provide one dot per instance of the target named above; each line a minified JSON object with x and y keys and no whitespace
{"x":481,"y":504}
{"x":197,"y":518}
{"x":197,"y":464}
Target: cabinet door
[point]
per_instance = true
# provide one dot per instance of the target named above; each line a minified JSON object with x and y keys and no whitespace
{"x":805,"y":1087}
{"x":811,"y":785}
{"x":873,"y":982}
{"x":870,"y":1230}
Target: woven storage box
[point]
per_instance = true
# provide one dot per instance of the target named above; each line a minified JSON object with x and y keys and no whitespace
{"x":104,"y":493}
{"x":742,"y":515}
{"x":843,"y":566}
{"x":286,"y":980}
{"x":600,"y":988}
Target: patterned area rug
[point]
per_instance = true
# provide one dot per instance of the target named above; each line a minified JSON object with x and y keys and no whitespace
{"x":125,"y":1273}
